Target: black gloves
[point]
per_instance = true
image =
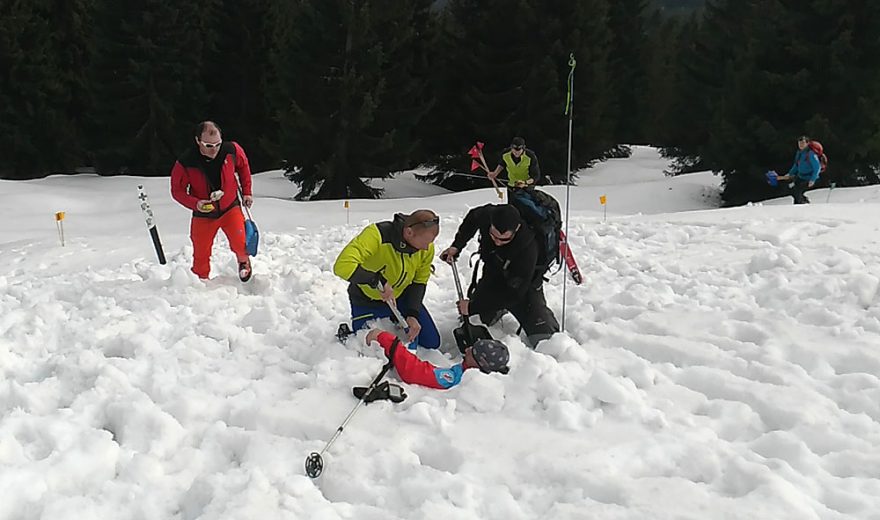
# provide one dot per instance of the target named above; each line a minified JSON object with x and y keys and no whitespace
{"x":384,"y":390}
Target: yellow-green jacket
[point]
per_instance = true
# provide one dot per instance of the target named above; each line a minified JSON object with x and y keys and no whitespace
{"x":379,"y":254}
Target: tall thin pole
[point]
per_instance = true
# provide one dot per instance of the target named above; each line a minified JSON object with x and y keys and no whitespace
{"x":572,"y":63}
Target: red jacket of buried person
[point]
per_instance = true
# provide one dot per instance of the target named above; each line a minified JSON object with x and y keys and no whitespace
{"x":190,"y":178}
{"x":415,"y":371}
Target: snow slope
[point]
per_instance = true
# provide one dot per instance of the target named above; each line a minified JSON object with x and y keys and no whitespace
{"x":717,"y":363}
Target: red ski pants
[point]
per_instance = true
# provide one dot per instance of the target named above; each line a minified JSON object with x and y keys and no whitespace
{"x":202,"y":232}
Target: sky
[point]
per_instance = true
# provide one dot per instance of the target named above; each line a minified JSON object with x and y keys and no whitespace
{"x":716,"y":363}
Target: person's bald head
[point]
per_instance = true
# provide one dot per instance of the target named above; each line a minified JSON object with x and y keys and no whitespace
{"x":420,"y":228}
{"x":208,"y":138}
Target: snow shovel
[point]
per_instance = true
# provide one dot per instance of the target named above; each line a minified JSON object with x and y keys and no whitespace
{"x":468,"y":333}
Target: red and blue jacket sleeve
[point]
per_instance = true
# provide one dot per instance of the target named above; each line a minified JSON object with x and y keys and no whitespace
{"x":415,"y":371}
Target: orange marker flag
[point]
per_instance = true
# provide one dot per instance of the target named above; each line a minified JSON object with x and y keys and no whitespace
{"x":602,"y":199}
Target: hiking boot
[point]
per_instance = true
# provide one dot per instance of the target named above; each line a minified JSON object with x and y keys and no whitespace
{"x":244,"y":270}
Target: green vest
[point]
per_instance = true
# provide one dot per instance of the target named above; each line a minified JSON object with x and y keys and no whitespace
{"x":517,"y":171}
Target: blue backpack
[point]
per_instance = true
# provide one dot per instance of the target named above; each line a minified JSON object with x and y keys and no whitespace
{"x":541,"y":213}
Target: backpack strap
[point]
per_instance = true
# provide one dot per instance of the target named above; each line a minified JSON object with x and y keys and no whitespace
{"x":392,"y":350}
{"x":247,"y":210}
{"x":473,"y":286}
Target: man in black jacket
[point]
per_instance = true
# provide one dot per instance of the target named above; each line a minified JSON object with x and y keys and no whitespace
{"x":510,"y":281}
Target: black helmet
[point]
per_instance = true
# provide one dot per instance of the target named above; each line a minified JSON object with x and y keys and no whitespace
{"x":491,"y":356}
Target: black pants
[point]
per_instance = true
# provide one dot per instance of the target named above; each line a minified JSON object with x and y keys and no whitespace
{"x":532,"y":313}
{"x":798,"y":189}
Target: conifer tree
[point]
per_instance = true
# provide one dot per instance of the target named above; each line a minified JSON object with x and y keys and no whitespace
{"x":839,"y":52}
{"x":236,"y":69}
{"x":663,"y":74}
{"x":708,"y":45}
{"x":782,"y":78}
{"x":508,"y":67}
{"x":44,"y":51}
{"x":345,"y":97}
{"x":587,"y":32}
{"x":148,"y":82}
{"x":628,"y":63}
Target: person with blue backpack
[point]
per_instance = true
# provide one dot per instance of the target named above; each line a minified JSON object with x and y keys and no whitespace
{"x":805,"y":171}
{"x":512,"y":277}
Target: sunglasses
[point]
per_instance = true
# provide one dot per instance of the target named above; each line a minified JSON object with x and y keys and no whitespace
{"x":427,"y":223}
{"x":517,"y":148}
{"x":211,"y":145}
{"x":497,"y":236}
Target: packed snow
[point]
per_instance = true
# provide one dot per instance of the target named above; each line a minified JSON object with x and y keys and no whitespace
{"x":716,"y":363}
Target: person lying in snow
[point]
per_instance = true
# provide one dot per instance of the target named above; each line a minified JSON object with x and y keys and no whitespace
{"x":489,"y":355}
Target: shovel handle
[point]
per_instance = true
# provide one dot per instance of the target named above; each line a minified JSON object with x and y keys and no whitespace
{"x":396,"y":312}
{"x":400,"y":320}
{"x":457,"y":281}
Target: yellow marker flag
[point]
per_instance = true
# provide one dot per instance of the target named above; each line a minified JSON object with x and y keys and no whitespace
{"x":59,"y":216}
{"x":602,"y":199}
{"x":345,"y":205}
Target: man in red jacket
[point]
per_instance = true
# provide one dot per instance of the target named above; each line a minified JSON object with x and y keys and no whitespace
{"x":203,"y":179}
{"x":489,"y":355}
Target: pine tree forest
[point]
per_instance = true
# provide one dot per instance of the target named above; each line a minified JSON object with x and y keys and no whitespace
{"x":337,"y":92}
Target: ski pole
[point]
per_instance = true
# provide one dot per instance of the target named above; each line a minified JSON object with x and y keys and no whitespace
{"x":315,"y":460}
{"x":473,"y":176}
{"x":572,"y":63}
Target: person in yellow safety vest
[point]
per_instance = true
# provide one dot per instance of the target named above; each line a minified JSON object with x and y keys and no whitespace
{"x":520,"y":163}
